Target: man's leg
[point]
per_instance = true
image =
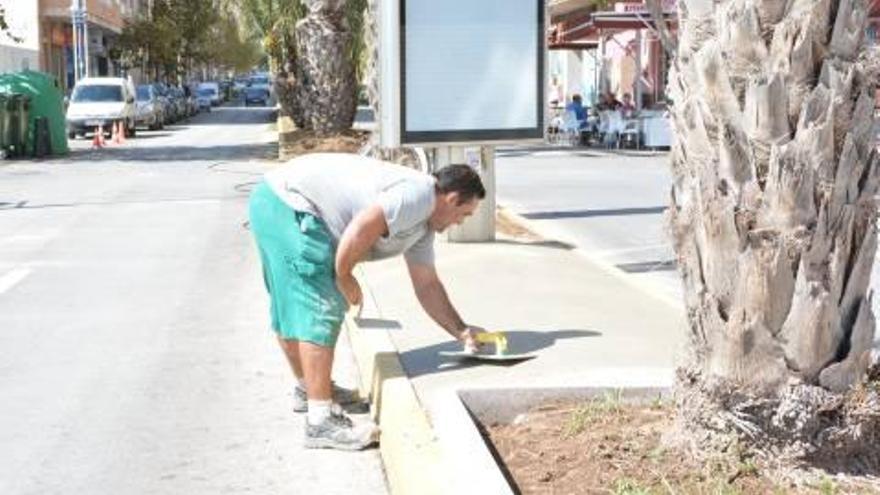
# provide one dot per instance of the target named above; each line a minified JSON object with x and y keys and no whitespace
{"x":291,"y":351}
{"x":326,"y":427}
{"x":317,"y":364}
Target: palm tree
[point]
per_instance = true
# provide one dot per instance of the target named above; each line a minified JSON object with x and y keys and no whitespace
{"x":272,"y":22}
{"x":326,"y":68}
{"x":773,"y":222}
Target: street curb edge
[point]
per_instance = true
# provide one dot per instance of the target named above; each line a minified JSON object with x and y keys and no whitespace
{"x":408,"y":446}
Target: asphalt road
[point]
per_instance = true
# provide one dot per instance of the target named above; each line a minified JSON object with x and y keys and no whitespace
{"x":133,"y":325}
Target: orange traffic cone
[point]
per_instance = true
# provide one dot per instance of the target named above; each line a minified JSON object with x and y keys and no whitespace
{"x":98,"y":140}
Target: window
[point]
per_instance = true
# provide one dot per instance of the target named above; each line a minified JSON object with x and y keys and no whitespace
{"x":97,"y":94}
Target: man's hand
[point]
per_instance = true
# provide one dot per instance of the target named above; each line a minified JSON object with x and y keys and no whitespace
{"x":468,"y":337}
{"x":351,"y":289}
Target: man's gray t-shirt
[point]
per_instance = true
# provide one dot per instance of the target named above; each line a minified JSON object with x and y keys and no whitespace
{"x":335,"y":187}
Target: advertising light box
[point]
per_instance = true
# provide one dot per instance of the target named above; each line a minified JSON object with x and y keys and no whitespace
{"x":459,"y":71}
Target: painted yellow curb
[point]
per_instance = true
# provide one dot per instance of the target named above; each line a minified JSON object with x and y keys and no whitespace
{"x":407,"y":444}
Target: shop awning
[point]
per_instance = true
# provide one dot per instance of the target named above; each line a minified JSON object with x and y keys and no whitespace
{"x":574,"y":45}
{"x":562,"y":7}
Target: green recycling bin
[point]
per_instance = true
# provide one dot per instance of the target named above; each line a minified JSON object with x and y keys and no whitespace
{"x":23,"y":106}
{"x":4,"y":123}
{"x":17,"y":131}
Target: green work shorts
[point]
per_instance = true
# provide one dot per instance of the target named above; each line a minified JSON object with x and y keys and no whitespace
{"x":298,"y":256}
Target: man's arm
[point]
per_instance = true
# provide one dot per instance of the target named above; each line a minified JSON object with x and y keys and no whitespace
{"x":433,"y":298}
{"x":359,"y":236}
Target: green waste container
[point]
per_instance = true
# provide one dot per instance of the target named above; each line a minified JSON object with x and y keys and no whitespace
{"x":17,"y":132}
{"x":4,"y":123}
{"x":45,"y":99}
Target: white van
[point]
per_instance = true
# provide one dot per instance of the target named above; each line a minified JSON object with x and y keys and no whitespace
{"x":101,"y":102}
{"x":214,"y":88}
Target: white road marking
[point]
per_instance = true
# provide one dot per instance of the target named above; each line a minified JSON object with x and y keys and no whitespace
{"x":12,"y":278}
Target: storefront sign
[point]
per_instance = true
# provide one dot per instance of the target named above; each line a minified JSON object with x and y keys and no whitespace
{"x":669,"y":6}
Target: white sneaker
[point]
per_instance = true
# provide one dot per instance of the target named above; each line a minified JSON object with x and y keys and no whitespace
{"x":338,"y":431}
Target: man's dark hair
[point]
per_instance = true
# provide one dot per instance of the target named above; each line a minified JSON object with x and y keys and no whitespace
{"x":461,"y":179}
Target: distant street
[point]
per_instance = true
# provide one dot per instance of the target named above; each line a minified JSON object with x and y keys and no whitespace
{"x":133,"y":324}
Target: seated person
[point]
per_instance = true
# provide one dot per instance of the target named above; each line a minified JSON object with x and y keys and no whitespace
{"x":627,"y":106}
{"x":602,"y":104}
{"x":576,"y":105}
{"x":612,"y":101}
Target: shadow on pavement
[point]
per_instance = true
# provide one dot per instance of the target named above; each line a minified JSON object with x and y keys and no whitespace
{"x":26,"y":205}
{"x":377,"y":324}
{"x":615,"y":212}
{"x":568,"y":150}
{"x":546,"y":244}
{"x":262,"y":151}
{"x":648,"y":266}
{"x":150,"y":135}
{"x":576,"y":151}
{"x":426,"y":360}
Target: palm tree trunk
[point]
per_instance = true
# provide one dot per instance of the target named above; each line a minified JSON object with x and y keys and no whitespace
{"x":325,"y":73}
{"x":773,"y":221}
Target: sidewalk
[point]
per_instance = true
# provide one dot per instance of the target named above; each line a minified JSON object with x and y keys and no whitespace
{"x":549,"y":298}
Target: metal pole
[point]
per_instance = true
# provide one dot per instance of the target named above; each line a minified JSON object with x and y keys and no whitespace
{"x":74,"y":20}
{"x":85,"y":27}
{"x":637,"y":91}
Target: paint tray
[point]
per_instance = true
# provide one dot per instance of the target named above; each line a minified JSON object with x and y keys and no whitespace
{"x":499,"y":351}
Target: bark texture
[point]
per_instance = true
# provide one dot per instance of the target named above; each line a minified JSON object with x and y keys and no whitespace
{"x":773,"y":222}
{"x":326,"y":82}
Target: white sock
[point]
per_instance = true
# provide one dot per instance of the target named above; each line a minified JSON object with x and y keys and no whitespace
{"x":319,"y":410}
{"x":300,"y":382}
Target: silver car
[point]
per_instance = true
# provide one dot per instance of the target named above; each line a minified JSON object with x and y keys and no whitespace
{"x":150,"y":110}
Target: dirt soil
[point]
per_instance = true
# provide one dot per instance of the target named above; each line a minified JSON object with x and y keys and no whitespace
{"x":298,"y":142}
{"x":608,"y":447}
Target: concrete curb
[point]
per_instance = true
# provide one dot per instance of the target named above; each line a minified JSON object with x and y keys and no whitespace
{"x":551,"y":234}
{"x":407,"y":445}
{"x":473,"y":460}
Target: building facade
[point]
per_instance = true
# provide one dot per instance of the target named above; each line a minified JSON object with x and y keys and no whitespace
{"x":615,"y":51}
{"x":105,"y":19}
{"x":20,"y":47}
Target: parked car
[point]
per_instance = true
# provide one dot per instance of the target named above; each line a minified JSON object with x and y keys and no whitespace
{"x":179,"y":101}
{"x":204,"y":97}
{"x":255,"y":94}
{"x":150,"y":111}
{"x":192,"y":105}
{"x":101,"y":102}
{"x":215,"y":91}
{"x":261,"y":80}
{"x":168,"y":108}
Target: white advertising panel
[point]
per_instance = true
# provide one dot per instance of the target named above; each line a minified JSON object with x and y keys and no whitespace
{"x":468,"y":71}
